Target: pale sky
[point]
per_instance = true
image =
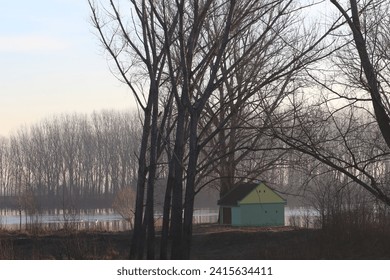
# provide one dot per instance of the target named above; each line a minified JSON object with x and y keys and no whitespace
{"x":51,"y":62}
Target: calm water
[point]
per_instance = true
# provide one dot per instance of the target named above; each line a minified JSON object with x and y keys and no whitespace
{"x":103,"y":219}
{"x":94,"y":219}
{"x":107,"y":219}
{"x":301,"y":217}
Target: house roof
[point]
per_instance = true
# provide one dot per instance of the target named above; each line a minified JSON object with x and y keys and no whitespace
{"x":237,"y":194}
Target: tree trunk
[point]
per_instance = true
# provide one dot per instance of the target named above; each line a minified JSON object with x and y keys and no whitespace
{"x":137,"y":246}
{"x":190,"y":186}
{"x":149,"y":211}
{"x":166,"y":218}
{"x":177,"y":192}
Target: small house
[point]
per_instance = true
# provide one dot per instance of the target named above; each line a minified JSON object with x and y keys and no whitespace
{"x":252,"y":204}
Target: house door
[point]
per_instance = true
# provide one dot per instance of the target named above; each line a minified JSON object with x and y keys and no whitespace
{"x":227,"y":216}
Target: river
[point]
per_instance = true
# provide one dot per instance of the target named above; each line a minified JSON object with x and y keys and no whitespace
{"x":109,"y":220}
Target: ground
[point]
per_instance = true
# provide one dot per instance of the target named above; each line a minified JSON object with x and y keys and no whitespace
{"x":209,"y":242}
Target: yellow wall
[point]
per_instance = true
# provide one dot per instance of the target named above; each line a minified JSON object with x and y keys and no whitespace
{"x":262,"y":194}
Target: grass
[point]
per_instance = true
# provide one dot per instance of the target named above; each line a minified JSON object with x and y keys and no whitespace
{"x":210,"y":241}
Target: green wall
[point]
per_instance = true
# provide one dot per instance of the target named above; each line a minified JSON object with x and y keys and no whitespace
{"x":236,"y":216}
{"x":267,"y":214}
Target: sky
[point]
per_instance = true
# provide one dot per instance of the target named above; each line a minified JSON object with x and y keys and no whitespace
{"x":51,"y":62}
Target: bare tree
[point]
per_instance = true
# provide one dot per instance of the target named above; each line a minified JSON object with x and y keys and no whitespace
{"x":348,"y":141}
{"x":186,"y":51}
{"x":124,"y":204}
{"x":371,"y":43}
{"x":344,"y":123}
{"x":139,"y":46}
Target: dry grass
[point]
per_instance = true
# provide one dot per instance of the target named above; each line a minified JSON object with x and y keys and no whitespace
{"x":6,"y":250}
{"x":209,"y":242}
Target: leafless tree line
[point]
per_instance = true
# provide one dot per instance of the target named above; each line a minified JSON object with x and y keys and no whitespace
{"x":66,"y":160}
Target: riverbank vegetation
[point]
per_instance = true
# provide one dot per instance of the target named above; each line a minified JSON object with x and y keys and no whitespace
{"x":209,"y":242}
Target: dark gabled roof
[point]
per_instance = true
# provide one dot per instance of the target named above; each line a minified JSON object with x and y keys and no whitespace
{"x":237,"y":194}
